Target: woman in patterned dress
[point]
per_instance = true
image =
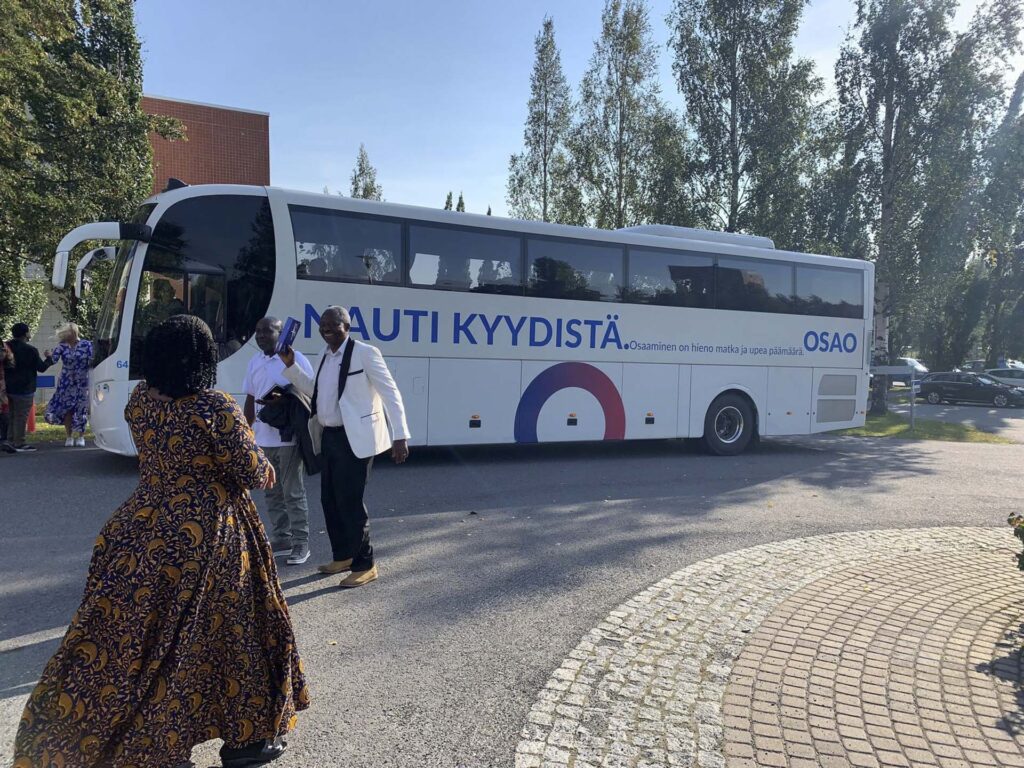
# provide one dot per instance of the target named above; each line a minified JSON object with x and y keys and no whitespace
{"x":70,"y":403}
{"x":183,"y":634}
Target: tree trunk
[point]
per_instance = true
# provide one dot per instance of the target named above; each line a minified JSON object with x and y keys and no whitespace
{"x":734,"y":144}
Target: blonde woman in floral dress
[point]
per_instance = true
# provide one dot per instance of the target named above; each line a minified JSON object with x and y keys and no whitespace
{"x":183,"y":634}
{"x":70,"y":402}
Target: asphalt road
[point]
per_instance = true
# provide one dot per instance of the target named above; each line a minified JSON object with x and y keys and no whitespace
{"x":1006,"y":422}
{"x":495,"y":561}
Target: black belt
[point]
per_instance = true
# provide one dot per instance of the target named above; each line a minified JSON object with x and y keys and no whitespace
{"x":334,"y":429}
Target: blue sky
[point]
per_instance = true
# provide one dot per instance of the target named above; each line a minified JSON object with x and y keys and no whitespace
{"x":436,"y":91}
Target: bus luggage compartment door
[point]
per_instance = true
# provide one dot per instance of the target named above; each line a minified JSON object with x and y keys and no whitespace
{"x":788,"y":402}
{"x":838,"y":399}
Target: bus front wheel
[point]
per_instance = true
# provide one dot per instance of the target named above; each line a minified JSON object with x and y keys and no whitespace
{"x":728,"y":425}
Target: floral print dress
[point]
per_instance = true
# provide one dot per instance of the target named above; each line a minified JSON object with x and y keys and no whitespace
{"x":72,"y":395}
{"x":183,"y":634}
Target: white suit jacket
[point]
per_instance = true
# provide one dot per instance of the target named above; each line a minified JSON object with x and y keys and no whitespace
{"x":370,"y":393}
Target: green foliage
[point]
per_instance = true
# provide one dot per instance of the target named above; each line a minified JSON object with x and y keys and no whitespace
{"x":613,"y":161}
{"x":448,"y":202}
{"x":921,"y":100}
{"x":73,"y":136}
{"x":750,"y":106}
{"x":461,"y":205}
{"x":364,"y":178}
{"x":534,"y":183}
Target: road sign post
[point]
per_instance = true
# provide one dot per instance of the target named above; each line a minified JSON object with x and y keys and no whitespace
{"x":901,"y":370}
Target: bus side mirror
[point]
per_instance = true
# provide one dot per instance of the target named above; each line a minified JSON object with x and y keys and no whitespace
{"x":60,"y":269}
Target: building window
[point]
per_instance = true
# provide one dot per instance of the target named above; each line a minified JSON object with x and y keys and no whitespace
{"x":464,"y":260}
{"x":571,"y":269}
{"x":334,"y":245}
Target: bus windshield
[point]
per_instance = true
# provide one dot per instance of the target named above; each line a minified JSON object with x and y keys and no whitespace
{"x":213,"y":257}
{"x":108,"y":324}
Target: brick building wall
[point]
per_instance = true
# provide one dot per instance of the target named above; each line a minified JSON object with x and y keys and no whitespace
{"x":225,"y":146}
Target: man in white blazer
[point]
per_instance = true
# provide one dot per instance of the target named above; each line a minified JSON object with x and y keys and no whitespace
{"x":350,"y":395}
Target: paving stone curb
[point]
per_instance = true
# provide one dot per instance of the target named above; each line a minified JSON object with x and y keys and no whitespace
{"x":714,"y":665}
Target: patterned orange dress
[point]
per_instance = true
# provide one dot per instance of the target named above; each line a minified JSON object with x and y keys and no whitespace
{"x":183,"y":634}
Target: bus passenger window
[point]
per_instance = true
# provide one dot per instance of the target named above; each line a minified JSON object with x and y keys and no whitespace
{"x":753,"y":285}
{"x":464,"y":260}
{"x":335,"y":245}
{"x":573,"y":269}
{"x":674,"y":279}
{"x":829,"y":292}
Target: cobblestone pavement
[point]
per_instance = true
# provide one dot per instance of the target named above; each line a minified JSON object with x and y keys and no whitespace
{"x":879,"y":648}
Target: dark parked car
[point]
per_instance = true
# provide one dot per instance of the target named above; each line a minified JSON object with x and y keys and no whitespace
{"x":969,"y":388}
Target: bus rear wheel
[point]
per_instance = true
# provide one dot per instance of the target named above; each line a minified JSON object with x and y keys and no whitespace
{"x":728,"y":425}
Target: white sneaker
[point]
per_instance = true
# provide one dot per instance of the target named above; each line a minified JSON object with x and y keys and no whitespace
{"x":80,"y":442}
{"x":69,"y":443}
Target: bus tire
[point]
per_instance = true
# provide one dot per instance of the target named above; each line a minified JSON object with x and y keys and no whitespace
{"x":728,"y":425}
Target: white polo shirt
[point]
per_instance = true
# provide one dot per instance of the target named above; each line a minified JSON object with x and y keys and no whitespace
{"x":263,"y":374}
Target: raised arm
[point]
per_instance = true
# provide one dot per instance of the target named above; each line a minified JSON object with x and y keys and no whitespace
{"x":295,"y":374}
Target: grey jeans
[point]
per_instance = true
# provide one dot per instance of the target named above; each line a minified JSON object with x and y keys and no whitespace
{"x":20,"y":407}
{"x":289,"y":512}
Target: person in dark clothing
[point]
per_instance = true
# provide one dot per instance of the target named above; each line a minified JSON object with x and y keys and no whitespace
{"x":6,"y":358}
{"x":21,"y":385}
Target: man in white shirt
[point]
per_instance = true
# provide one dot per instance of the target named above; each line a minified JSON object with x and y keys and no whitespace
{"x":351,"y":393}
{"x":289,"y":511}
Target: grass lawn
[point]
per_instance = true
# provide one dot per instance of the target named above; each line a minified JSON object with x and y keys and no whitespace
{"x":893,"y":425}
{"x":50,"y":433}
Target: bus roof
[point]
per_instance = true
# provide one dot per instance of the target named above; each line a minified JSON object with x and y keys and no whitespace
{"x":651,"y":235}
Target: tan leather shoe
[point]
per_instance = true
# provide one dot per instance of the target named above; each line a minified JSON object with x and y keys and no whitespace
{"x":335,"y":566}
{"x":358,"y":578}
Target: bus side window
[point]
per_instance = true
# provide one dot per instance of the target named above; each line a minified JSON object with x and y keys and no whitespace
{"x":754,"y":286}
{"x":675,"y":279}
{"x":461,"y":259}
{"x":573,"y":269}
{"x":830,"y":292}
{"x":335,"y":245}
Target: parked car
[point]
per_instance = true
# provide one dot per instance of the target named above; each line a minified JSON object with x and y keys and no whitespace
{"x":919,"y":370}
{"x":977,"y":366}
{"x":969,"y":388}
{"x":1012,"y":376}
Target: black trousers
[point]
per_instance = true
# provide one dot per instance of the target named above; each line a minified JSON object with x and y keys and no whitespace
{"x":343,"y":480}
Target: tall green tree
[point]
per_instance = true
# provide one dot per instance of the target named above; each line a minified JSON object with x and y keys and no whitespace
{"x":749,"y":104}
{"x":1001,"y":221}
{"x":921,"y":99}
{"x":448,"y":202}
{"x":619,"y":103}
{"x":889,"y":72}
{"x":73,"y":136}
{"x":461,"y":205}
{"x":363,"y":183}
{"x":534,"y":182}
{"x":964,"y":164}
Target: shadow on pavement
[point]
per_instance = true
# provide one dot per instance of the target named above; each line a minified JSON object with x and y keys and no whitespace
{"x":1010,"y":669}
{"x":545,"y":516}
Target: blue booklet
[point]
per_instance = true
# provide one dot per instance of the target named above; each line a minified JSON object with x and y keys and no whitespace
{"x":289,"y":332}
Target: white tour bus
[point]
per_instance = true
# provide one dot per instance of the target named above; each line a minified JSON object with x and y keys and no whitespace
{"x":497,"y":330}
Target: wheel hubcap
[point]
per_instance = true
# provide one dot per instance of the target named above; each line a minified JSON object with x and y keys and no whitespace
{"x":729,"y":424}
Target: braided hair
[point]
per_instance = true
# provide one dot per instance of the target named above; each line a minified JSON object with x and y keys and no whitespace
{"x":180,"y":357}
